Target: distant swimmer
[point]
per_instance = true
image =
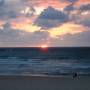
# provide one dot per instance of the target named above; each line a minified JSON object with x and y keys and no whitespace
{"x":75,"y":75}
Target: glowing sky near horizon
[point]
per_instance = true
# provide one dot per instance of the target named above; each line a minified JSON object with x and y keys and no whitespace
{"x":27,"y":23}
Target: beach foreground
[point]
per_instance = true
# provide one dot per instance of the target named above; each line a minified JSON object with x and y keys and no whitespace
{"x":44,"y":83}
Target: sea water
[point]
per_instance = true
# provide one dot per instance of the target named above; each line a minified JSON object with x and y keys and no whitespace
{"x":45,"y":61}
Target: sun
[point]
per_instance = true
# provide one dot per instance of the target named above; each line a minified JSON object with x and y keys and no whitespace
{"x":44,"y":46}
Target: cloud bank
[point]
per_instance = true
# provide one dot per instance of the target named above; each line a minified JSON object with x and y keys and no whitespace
{"x":37,"y":22}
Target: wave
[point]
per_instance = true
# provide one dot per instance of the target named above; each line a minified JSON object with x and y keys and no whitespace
{"x":56,"y":61}
{"x":15,"y":65}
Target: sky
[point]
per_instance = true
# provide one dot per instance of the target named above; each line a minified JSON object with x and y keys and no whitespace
{"x":54,"y":23}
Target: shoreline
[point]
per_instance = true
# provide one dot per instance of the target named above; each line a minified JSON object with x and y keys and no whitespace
{"x":36,"y":76}
{"x":12,"y":82}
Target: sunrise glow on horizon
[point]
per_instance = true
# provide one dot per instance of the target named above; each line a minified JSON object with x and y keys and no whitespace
{"x":44,"y":46}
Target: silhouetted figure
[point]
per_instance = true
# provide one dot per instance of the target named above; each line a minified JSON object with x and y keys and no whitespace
{"x":75,"y":75}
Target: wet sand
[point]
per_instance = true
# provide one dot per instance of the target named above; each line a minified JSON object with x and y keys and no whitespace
{"x":44,"y":83}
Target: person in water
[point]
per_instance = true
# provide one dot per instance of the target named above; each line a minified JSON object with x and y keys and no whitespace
{"x":75,"y":75}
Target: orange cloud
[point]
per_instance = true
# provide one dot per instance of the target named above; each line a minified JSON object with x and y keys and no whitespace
{"x":46,"y":3}
{"x":68,"y":28}
{"x":1,"y":24}
{"x":55,"y":3}
{"x":24,"y":24}
{"x":82,"y":2}
{"x":26,"y":27}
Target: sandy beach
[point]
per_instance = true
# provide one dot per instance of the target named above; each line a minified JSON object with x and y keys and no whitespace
{"x":44,"y":83}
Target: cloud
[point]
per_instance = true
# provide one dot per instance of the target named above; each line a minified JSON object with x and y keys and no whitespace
{"x":82,"y":16}
{"x":25,"y":25}
{"x":84,"y":7}
{"x":50,"y":18}
{"x":7,"y":11}
{"x":66,"y":35}
{"x":9,"y":35}
{"x":70,"y":8}
{"x":12,"y":9}
{"x":45,"y":3}
{"x":84,"y":21}
{"x":68,"y":28}
{"x":80,"y":2}
{"x":69,"y":40}
{"x":36,"y":22}
{"x":16,"y":37}
{"x":71,"y":1}
{"x":83,"y":36}
{"x":79,"y":39}
{"x":2,"y":2}
{"x":79,"y":15}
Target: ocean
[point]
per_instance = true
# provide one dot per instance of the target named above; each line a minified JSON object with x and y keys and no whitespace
{"x":45,"y":61}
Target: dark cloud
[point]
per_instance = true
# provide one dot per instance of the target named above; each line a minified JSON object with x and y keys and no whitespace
{"x":71,"y":1}
{"x":70,"y":8}
{"x":50,"y":18}
{"x":81,"y":16}
{"x":12,"y":9}
{"x":7,"y":11}
{"x":84,"y":21}
{"x":84,"y":7}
